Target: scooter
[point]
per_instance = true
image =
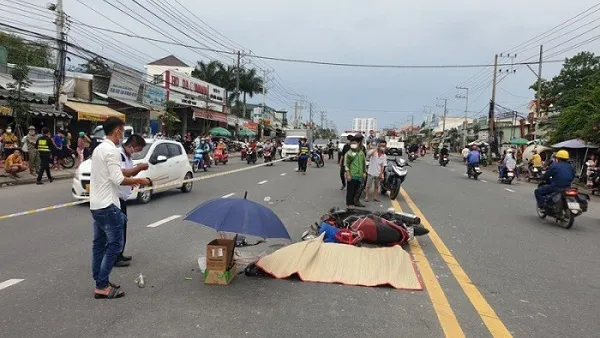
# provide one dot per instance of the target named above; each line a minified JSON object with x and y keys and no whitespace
{"x":508,"y":177}
{"x":268,"y":157}
{"x":444,"y":161}
{"x":244,"y":151}
{"x":317,"y":157}
{"x":251,"y":156}
{"x":536,"y":173}
{"x":199,"y":162}
{"x":394,"y":176}
{"x":221,"y":156}
{"x":412,"y":157}
{"x":564,"y":206}
{"x":473,"y":171}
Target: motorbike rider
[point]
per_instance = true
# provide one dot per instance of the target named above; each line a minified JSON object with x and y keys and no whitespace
{"x":507,"y":161}
{"x":221,"y":145}
{"x":303,"y":155}
{"x":535,"y":162}
{"x":560,"y":175}
{"x":414,"y":148}
{"x":443,"y":152}
{"x":268,"y":147}
{"x":473,"y":158}
{"x":204,"y":147}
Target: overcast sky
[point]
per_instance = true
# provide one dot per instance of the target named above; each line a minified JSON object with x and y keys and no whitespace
{"x":429,"y":32}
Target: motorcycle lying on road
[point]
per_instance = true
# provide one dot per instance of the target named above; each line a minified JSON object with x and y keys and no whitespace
{"x":444,"y":160}
{"x":268,"y":155}
{"x":473,"y":171}
{"x":394,"y":176}
{"x":564,"y":206}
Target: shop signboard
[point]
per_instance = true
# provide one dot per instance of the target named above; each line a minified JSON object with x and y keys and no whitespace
{"x":154,"y":96}
{"x":209,"y":115}
{"x":124,"y":83}
{"x":187,"y":90}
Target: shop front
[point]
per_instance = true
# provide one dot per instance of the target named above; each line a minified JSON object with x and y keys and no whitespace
{"x":87,"y":116}
{"x":204,"y":120}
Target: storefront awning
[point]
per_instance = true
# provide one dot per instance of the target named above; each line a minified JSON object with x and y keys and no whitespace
{"x":93,"y":112}
{"x":55,"y":114}
{"x":156,"y":114}
{"x":131,"y":103}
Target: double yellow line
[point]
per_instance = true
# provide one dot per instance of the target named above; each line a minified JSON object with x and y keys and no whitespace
{"x":443,"y":310}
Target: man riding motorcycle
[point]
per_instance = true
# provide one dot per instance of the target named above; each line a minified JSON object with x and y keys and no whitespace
{"x":204,"y":147}
{"x":560,"y":175}
{"x":473,"y":158}
{"x":508,"y":159}
{"x":443,"y":153}
{"x":535,"y":162}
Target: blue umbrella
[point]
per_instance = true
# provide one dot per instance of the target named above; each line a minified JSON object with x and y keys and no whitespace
{"x":239,"y":216}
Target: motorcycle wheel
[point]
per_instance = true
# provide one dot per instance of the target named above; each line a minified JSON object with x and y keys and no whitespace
{"x":195,"y":168}
{"x":205,"y":169}
{"x":567,"y":223}
{"x":541,"y":213}
{"x":67,"y":162}
{"x":225,"y":162}
{"x":394,"y":193}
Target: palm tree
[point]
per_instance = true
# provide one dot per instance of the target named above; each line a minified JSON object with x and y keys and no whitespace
{"x":209,"y":72}
{"x":250,"y":84}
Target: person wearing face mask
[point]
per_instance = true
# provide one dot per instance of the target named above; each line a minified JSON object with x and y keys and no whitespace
{"x":10,"y":142}
{"x":106,"y":180}
{"x":134,"y":144}
{"x":377,"y":163}
{"x":354,"y":165}
{"x":204,"y":148}
{"x":34,"y":155}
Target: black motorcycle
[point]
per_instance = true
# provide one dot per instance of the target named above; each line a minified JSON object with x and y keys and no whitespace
{"x":444,"y":160}
{"x":67,"y":158}
{"x":564,"y":206}
{"x":394,"y":176}
{"x":473,"y":171}
{"x":535,"y":173}
{"x":251,"y":156}
{"x":412,"y":156}
{"x":508,"y":176}
{"x":268,"y":156}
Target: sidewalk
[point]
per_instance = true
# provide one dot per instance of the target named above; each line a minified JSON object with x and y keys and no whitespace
{"x":26,"y":178}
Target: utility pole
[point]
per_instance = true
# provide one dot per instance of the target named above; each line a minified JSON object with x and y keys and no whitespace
{"x":494,"y":143}
{"x":297,"y":115}
{"x":264,"y":90}
{"x":445,"y":106}
{"x":61,"y":56}
{"x":466,"y":97}
{"x":539,"y":85}
{"x":323,"y":116}
{"x":310,"y":115}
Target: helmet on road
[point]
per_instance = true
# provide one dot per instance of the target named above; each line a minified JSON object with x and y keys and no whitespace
{"x":562,"y":155}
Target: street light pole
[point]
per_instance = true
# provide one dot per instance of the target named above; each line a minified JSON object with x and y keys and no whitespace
{"x":466,"y":97}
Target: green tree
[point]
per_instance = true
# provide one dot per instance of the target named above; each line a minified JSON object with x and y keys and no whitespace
{"x":250,"y":84}
{"x":96,"y":66}
{"x":35,"y":54}
{"x":169,"y":118}
{"x":20,"y":74}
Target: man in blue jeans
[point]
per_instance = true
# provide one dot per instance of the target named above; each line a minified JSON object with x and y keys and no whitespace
{"x":105,"y":181}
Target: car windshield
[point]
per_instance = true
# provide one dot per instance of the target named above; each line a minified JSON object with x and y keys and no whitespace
{"x":292,"y":140}
{"x":142,"y":154}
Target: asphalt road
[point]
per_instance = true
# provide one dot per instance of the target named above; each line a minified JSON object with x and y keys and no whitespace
{"x":501,"y":270}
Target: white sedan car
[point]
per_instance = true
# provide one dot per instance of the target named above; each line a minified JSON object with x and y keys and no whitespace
{"x":168,"y":164}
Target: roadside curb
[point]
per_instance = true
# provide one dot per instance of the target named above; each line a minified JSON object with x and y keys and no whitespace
{"x":32,"y":180}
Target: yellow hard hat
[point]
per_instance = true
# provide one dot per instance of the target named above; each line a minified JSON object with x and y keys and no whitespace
{"x":562,"y":154}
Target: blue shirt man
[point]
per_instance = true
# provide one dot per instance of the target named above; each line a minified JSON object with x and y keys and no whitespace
{"x":473,"y":157}
{"x":561,"y":174}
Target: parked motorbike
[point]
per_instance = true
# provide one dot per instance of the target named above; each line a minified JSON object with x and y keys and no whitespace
{"x":483,"y":159}
{"x":67,"y":158}
{"x":244,"y":151}
{"x":412,"y":157}
{"x":317,"y":157}
{"x":251,"y":156}
{"x":394,"y":176}
{"x":199,"y":163}
{"x":221,"y":156}
{"x":473,"y":171}
{"x":268,"y":155}
{"x":444,"y":160}
{"x":564,"y":206}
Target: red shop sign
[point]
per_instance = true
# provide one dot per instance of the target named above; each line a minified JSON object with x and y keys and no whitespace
{"x":208,"y":115}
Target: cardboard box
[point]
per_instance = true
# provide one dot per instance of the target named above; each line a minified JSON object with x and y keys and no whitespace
{"x":220,"y":277}
{"x":219,"y":254}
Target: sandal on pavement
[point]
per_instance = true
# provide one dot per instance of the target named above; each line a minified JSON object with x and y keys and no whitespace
{"x":114,"y":293}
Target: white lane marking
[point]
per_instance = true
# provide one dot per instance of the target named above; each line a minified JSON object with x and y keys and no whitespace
{"x":163,"y":221}
{"x":228,"y":195}
{"x":283,"y":174}
{"x":509,"y":190}
{"x":10,"y":282}
{"x":262,"y":182}
{"x":484,"y":181}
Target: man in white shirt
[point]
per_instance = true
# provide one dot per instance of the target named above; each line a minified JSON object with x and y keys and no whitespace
{"x":134,"y":144}
{"x":465,"y":152}
{"x":105,"y":181}
{"x":377,"y":162}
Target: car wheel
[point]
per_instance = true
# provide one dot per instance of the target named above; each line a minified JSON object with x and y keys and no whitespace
{"x":144,"y":196}
{"x":187,"y":186}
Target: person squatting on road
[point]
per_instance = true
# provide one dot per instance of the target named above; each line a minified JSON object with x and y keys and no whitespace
{"x":560,"y":175}
{"x":355,"y":169}
{"x":303,"y":155}
{"x":134,"y":144}
{"x":14,"y":164}
{"x":105,"y":181}
{"x":377,"y":163}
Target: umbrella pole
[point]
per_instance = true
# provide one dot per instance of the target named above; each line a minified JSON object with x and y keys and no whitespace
{"x":584,"y":161}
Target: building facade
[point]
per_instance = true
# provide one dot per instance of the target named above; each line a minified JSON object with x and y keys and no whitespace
{"x":364,"y":124}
